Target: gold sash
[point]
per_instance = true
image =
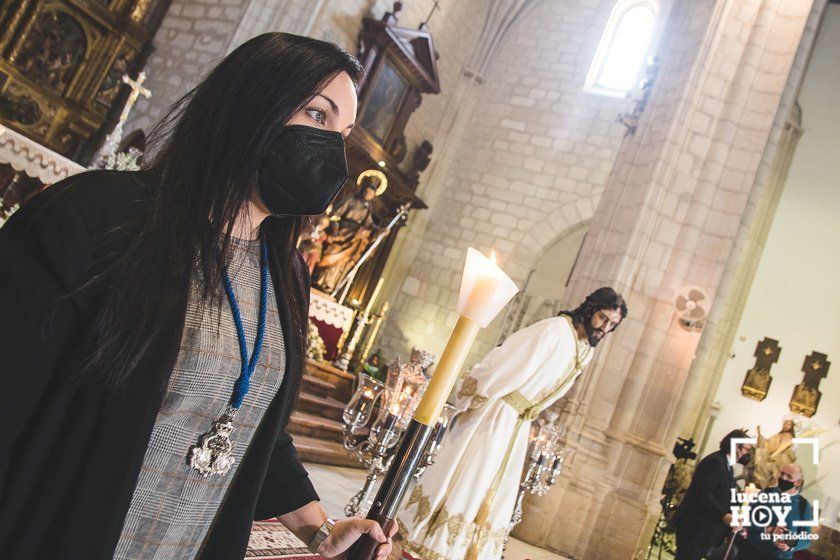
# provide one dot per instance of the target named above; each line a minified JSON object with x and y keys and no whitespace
{"x":527,"y":410}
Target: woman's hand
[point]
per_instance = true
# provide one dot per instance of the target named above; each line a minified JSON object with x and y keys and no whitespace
{"x":347,"y":531}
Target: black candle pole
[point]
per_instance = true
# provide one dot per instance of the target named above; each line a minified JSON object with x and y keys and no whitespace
{"x":393,"y":488}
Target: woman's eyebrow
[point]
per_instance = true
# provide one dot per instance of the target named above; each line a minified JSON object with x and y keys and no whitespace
{"x":333,"y":106}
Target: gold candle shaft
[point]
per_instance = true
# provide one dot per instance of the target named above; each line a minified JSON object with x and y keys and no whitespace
{"x":447,"y":370}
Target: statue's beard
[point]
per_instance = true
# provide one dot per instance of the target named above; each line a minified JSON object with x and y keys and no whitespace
{"x":593,"y":335}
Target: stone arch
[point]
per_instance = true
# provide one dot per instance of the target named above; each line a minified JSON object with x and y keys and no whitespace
{"x":554,"y":226}
{"x":544,"y":288}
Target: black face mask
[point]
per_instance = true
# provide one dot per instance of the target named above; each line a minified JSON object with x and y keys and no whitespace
{"x":785,"y":485}
{"x":745,"y":459}
{"x":303,"y":171}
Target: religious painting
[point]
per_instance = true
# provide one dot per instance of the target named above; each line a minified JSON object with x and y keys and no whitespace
{"x":806,"y":395}
{"x":53,"y":50}
{"x":19,"y":106}
{"x":21,"y":109}
{"x":757,"y":382}
{"x":384,"y":102}
{"x":67,"y":141}
{"x":112,"y":82}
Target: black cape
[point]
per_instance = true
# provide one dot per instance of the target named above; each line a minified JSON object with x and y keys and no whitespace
{"x":70,"y":454}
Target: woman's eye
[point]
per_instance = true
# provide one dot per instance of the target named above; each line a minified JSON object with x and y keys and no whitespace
{"x":317,"y":115}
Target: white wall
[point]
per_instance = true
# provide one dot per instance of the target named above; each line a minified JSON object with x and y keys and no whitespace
{"x":794,"y":298}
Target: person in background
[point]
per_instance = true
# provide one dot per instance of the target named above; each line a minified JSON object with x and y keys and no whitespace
{"x":703,"y":517}
{"x":780,"y":539}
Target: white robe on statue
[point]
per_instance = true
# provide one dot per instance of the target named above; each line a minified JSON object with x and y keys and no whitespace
{"x":443,"y":518}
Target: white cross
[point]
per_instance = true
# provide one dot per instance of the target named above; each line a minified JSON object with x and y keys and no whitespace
{"x":137,"y":90}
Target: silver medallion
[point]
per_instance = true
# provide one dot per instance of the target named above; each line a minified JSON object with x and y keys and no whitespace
{"x":214,"y":455}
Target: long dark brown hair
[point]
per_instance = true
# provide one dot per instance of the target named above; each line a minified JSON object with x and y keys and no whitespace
{"x":205,"y":157}
{"x":602,"y":298}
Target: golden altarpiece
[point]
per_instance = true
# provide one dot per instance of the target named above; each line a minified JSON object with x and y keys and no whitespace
{"x":61,"y":64}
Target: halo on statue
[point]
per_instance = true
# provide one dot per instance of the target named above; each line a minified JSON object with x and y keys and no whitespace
{"x":375,"y":173}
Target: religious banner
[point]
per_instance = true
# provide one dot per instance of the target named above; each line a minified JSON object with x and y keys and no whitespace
{"x":757,"y":382}
{"x":806,"y":395}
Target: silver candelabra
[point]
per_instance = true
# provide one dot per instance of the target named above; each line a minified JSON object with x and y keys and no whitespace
{"x":545,"y":458}
{"x":436,"y":440}
{"x":396,"y":398}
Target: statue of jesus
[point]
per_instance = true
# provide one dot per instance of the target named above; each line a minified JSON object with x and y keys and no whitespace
{"x":462,"y":506}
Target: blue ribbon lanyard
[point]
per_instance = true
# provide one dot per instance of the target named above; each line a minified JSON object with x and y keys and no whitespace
{"x":240,"y":388}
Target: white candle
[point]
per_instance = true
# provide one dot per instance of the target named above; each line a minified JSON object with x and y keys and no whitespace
{"x":485,"y":290}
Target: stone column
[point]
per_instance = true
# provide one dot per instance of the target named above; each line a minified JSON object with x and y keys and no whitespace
{"x":669,"y":217}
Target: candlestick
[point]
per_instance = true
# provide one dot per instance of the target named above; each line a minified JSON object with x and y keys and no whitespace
{"x":485,"y":289}
{"x":371,"y":338}
{"x":749,"y":489}
{"x":436,"y":440}
{"x":373,"y":296}
{"x":384,"y":431}
{"x":357,"y":412}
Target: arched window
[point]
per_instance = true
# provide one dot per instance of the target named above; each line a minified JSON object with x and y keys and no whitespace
{"x":624,"y":45}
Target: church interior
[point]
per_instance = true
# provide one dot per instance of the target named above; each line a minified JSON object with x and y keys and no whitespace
{"x":680,"y":151}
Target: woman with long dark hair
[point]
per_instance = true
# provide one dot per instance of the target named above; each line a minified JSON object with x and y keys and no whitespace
{"x":152,"y":325}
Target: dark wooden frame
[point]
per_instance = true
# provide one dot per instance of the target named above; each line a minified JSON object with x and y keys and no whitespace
{"x":412,"y":55}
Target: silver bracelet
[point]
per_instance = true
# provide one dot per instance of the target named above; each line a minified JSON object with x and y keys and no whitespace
{"x":322,"y":534}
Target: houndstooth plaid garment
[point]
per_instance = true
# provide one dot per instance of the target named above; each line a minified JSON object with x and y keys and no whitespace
{"x":173,"y":505}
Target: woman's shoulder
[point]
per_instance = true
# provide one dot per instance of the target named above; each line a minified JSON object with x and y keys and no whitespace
{"x":98,"y":199}
{"x":116,"y":192}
